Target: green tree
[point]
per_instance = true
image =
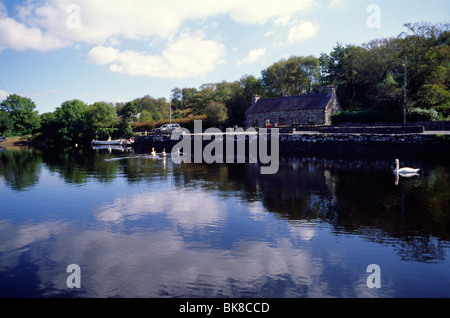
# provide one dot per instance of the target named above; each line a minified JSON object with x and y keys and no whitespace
{"x":216,"y":113}
{"x":372,"y":76}
{"x":124,"y":129}
{"x":71,"y":121}
{"x":427,"y":47}
{"x":145,"y":117}
{"x":296,"y":76}
{"x":22,"y":112}
{"x":49,"y":125}
{"x":177,"y":98}
{"x":128,"y":114}
{"x":102,"y":120}
{"x":129,"y":111}
{"x":6,"y":123}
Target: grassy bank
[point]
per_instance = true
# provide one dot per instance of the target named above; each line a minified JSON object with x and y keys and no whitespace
{"x":15,"y":141}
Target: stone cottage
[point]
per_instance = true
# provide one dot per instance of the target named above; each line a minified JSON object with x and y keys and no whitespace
{"x":311,"y":109}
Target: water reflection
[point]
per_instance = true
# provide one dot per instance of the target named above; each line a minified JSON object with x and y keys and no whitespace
{"x":165,"y":265}
{"x":20,"y":169}
{"x":147,"y":227}
{"x":186,"y":208}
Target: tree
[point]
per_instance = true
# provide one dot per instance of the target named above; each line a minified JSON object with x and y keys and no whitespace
{"x":372,"y":76}
{"x":216,"y":113}
{"x":6,"y":123}
{"x":158,"y":108}
{"x":102,"y":120}
{"x":22,"y":112}
{"x":49,"y":125}
{"x":71,"y":121}
{"x":129,"y":111}
{"x":427,"y":48}
{"x":296,"y":76}
{"x":125,"y":130}
{"x":145,"y":117}
{"x":177,"y":98}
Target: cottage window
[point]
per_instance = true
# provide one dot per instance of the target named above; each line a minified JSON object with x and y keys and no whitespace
{"x":255,"y":123}
{"x":282,"y":122}
{"x":295,"y":121}
{"x":311,"y":120}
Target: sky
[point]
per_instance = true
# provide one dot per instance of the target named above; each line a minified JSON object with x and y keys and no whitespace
{"x":118,"y":50}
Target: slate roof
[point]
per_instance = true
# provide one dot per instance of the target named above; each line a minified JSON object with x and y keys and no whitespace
{"x":292,"y":103}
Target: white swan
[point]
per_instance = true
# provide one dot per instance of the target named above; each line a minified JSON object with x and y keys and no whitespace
{"x":404,"y":171}
{"x":164,"y":152}
{"x":153,"y":152}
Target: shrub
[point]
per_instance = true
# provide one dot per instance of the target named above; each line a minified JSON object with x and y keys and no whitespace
{"x":183,"y":122}
{"x":384,"y":116}
{"x":419,"y":114}
{"x":369,"y":116}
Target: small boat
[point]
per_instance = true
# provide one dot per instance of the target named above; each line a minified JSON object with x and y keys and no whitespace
{"x":108,"y":147}
{"x":108,"y":142}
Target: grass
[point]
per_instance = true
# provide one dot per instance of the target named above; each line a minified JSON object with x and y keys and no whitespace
{"x":15,"y":141}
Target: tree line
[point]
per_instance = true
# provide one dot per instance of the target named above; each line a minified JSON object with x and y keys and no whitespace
{"x":369,"y":80}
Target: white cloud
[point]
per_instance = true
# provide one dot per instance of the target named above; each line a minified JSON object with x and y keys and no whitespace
{"x":106,"y":24}
{"x":101,"y":55}
{"x":269,"y":33}
{"x":103,"y":20}
{"x":16,"y":36}
{"x":4,"y":94}
{"x":282,"y":21}
{"x":302,"y":31}
{"x":253,"y":56}
{"x":188,"y":56}
{"x":261,"y":11}
{"x":335,"y":3}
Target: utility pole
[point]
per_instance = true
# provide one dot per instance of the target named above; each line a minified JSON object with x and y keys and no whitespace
{"x":170,"y":111}
{"x":404,"y":106}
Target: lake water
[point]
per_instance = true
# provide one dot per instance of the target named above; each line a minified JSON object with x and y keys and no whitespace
{"x":145,"y":227}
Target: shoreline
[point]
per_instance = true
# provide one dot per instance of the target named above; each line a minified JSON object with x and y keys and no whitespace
{"x":15,"y":142}
{"x":310,"y":142}
{"x":432,"y":142}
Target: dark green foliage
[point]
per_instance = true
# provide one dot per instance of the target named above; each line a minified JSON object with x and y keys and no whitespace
{"x":368,"y":116}
{"x":6,"y":124}
{"x":371,"y":77}
{"x":419,"y":114}
{"x":20,"y":111}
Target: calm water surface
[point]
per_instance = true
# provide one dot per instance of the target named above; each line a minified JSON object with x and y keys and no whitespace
{"x":145,"y":227}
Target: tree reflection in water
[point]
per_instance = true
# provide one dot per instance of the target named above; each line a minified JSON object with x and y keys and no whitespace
{"x":357,"y":196}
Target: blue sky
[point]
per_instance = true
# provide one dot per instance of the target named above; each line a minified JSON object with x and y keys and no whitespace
{"x":118,"y":50}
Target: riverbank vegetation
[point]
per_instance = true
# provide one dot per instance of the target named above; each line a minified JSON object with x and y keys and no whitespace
{"x":369,"y":80}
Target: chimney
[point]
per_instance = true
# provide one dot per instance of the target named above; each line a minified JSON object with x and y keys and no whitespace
{"x":331,"y":90}
{"x":255,"y":99}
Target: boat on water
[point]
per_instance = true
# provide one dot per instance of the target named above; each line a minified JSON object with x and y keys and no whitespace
{"x":109,"y":142}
